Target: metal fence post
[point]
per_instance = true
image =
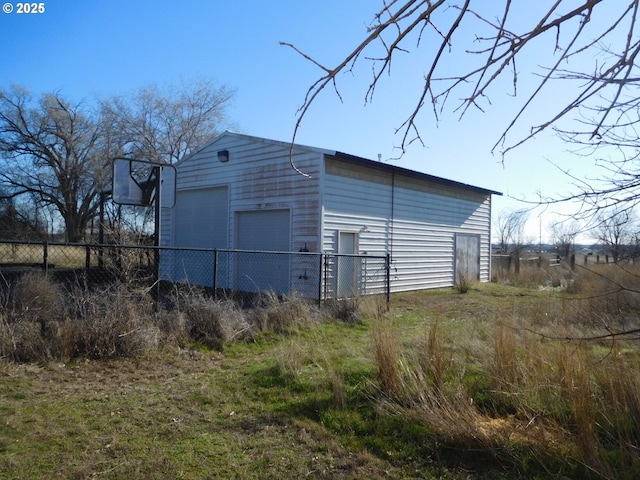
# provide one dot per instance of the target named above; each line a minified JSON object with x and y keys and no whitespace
{"x":388,"y":267}
{"x":320,"y":262}
{"x":215,"y":273}
{"x":364,"y":281}
{"x":45,"y":260}
{"x":326,"y":275}
{"x":157,"y":261}
{"x":87,"y":257}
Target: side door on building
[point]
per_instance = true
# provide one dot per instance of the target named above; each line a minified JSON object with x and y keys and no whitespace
{"x":467,"y":258}
{"x":347,"y":265}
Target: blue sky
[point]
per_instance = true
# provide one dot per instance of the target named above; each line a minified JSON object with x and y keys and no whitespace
{"x":91,"y":48}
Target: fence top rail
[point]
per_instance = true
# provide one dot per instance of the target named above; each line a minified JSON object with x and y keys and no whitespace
{"x":67,"y":244}
{"x":24,"y":242}
{"x":354,"y":255}
{"x":193,"y":249}
{"x":84,"y":245}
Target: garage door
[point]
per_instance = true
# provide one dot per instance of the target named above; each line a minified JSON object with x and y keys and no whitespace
{"x":263,"y":230}
{"x":201,"y":221}
{"x":201,"y":218}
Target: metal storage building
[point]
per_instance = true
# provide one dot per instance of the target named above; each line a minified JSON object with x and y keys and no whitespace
{"x":240,"y":192}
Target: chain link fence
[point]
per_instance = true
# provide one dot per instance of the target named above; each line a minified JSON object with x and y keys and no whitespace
{"x":319,"y":276}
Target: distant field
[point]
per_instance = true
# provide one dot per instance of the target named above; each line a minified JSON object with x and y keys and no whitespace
{"x":65,"y":256}
{"x":34,"y":254}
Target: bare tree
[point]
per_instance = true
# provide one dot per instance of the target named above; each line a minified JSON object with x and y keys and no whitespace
{"x":53,"y":150}
{"x":564,"y":234}
{"x":20,"y":221}
{"x":474,"y":48}
{"x":61,"y":153}
{"x":164,"y":125}
{"x":509,"y":228}
{"x":617,"y":232}
{"x":510,"y":232}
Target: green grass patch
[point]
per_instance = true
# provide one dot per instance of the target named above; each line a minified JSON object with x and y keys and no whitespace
{"x":484,"y":389}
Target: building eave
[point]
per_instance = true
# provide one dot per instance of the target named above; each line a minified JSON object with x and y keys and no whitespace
{"x":353,"y":159}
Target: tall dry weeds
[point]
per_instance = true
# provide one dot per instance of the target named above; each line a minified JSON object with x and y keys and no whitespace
{"x":114,"y":322}
{"x":38,"y":299}
{"x":579,"y":391}
{"x":31,"y":318}
{"x":286,"y":315}
{"x":42,"y":321}
{"x":434,"y":360}
{"x":617,"y":410}
{"x":211,"y":322}
{"x":505,"y":366}
{"x":387,"y":357}
{"x":551,"y":397}
{"x":350,"y":310}
{"x":422,"y":385}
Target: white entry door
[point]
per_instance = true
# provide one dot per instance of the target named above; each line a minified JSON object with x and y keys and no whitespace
{"x":347,"y":275}
{"x":467,"y":258}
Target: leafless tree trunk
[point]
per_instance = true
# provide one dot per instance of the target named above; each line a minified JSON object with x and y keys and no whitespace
{"x":53,"y":150}
{"x":564,"y":235}
{"x":510,"y":226}
{"x":61,"y":153}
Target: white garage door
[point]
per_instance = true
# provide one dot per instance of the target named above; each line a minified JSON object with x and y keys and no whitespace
{"x":264,"y":230}
{"x":201,"y":221}
{"x":201,"y":218}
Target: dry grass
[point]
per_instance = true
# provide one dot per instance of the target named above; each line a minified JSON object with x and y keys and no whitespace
{"x":38,"y":299}
{"x":350,"y":310}
{"x":524,"y":377}
{"x":113,"y":322}
{"x":286,"y":315}
{"x":556,"y":377}
{"x":41,"y":321}
{"x":387,"y":358}
{"x":210,"y":322}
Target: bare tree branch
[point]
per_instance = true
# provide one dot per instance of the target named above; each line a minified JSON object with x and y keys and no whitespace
{"x":511,"y":35}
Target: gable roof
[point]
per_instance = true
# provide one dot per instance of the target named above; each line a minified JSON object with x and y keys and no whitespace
{"x":252,"y":138}
{"x":348,"y":158}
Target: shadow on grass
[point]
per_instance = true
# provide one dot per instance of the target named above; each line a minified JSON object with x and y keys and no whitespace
{"x":409,"y":445}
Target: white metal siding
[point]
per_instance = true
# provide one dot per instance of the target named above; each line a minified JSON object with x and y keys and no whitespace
{"x":199,"y":220}
{"x":413,"y":220}
{"x":260,"y":178}
{"x":264,"y":230}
